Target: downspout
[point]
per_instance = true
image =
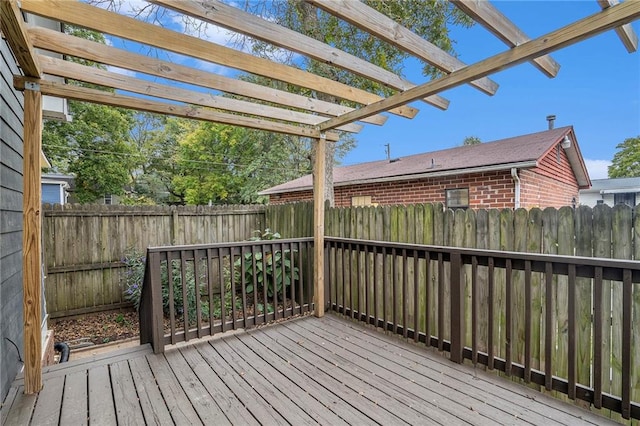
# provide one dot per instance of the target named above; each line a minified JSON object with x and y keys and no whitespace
{"x":516,"y":179}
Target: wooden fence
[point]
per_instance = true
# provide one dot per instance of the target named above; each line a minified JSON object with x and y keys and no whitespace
{"x":84,"y":245}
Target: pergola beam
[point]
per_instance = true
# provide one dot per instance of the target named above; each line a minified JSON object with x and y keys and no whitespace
{"x":370,"y":20}
{"x":627,"y":35}
{"x":55,"y":41}
{"x":573,"y":33}
{"x":232,"y":18}
{"x":493,"y":20}
{"x":101,"y":77}
{"x":107,"y":98}
{"x":84,"y":15}
{"x":16,"y":34}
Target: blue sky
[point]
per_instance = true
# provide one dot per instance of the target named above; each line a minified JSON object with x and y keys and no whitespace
{"x":597,"y":90}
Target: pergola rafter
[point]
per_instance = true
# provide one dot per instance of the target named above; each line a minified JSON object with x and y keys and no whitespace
{"x":310,"y":117}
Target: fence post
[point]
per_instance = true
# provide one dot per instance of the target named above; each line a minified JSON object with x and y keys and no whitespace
{"x":457,"y":308}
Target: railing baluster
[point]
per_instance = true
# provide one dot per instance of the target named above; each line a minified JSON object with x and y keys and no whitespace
{"x":627,"y":303}
{"x":243,"y":285}
{"x":234,"y":315}
{"x":185,"y":294}
{"x":292,"y":281}
{"x":416,"y":296}
{"x":209,"y":268}
{"x":571,"y":323}
{"x":275,"y":281}
{"x":284,"y":278}
{"x":597,"y":337}
{"x":376,"y":311}
{"x":508,"y":328}
{"x":427,"y":297}
{"x":440,"y":302}
{"x":223,"y":285}
{"x":405,"y":290}
{"x":457,"y":309}
{"x":490,"y":313}
{"x":385,"y":273}
{"x":548,"y":335}
{"x":352,"y":306}
{"x":265,"y":282}
{"x":196,"y":293}
{"x":170,"y":292}
{"x":254,"y":278}
{"x":394,"y":288}
{"x":359,"y":281}
{"x":367,"y":283}
{"x":474,"y":309}
{"x":343,"y":254}
{"x":527,"y":321}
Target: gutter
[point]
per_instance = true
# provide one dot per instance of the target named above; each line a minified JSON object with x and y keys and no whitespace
{"x":482,"y":169}
{"x":516,"y":179}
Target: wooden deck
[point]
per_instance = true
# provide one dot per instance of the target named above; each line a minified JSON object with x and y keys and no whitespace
{"x":303,"y":371}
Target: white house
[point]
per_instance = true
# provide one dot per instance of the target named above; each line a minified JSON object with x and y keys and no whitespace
{"x":612,"y":192}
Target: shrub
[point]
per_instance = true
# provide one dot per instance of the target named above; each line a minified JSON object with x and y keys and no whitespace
{"x":133,"y":276}
{"x":276,"y":266}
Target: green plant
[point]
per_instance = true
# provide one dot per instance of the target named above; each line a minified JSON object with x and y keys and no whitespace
{"x":134,"y":262}
{"x":272,"y":269}
{"x":178,"y":294}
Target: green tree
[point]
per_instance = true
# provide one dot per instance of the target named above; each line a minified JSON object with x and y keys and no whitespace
{"x":626,"y":162}
{"x":96,"y":145}
{"x":471,"y":140}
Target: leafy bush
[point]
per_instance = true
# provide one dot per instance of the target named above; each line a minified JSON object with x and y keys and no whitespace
{"x":276,"y":266}
{"x":134,"y":275}
{"x":133,"y":280}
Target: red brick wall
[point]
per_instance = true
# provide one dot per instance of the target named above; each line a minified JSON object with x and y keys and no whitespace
{"x":551,"y":184}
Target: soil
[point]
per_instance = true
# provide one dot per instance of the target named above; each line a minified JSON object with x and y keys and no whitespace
{"x":96,"y":329}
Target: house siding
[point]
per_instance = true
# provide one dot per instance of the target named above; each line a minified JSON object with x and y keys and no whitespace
{"x":550,"y":184}
{"x":11,"y":145}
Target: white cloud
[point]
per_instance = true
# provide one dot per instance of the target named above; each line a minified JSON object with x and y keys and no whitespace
{"x":597,"y":168}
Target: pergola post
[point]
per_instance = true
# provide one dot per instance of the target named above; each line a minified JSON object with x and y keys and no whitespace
{"x":318,"y":226}
{"x":31,"y":242}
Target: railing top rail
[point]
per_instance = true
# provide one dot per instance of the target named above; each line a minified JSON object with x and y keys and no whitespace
{"x":534,"y":257}
{"x":161,"y":249}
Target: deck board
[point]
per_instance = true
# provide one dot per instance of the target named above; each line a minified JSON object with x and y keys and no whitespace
{"x":328,"y":370}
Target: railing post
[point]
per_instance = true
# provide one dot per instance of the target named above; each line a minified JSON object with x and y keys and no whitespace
{"x":457,"y":308}
{"x":151,"y":322}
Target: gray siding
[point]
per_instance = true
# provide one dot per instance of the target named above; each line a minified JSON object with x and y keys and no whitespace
{"x":11,"y":145}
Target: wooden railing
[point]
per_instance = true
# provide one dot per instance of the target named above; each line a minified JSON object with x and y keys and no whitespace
{"x":568,"y":324}
{"x":199,"y":290}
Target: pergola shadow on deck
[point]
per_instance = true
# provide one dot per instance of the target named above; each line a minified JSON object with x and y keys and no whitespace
{"x":303,"y":371}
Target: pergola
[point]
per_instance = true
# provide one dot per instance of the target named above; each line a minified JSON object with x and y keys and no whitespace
{"x":294,"y":115}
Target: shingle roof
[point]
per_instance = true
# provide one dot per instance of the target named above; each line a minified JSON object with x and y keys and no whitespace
{"x":522,"y":150}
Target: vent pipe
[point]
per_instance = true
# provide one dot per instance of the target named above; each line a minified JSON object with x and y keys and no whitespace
{"x":551,"y":119}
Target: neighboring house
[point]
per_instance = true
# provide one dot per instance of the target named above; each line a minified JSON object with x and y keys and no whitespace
{"x":56,"y":188}
{"x":543,"y":169}
{"x":612,"y":192}
{"x":11,"y":190}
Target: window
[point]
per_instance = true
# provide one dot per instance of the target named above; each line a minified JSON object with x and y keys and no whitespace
{"x":457,"y":198}
{"x":362,"y":200}
{"x":628,"y":198}
{"x":108,"y":199}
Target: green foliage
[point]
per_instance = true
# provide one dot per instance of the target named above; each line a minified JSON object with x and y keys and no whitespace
{"x":95,"y":146}
{"x":471,"y":140}
{"x":626,"y":162}
{"x":134,"y":262}
{"x":273,"y":269}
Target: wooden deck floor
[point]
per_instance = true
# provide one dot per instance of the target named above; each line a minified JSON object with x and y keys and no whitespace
{"x":304,"y":371}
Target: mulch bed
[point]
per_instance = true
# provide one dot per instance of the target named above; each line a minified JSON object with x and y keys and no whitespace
{"x":97,"y":329}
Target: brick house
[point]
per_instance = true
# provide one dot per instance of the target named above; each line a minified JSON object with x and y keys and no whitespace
{"x":543,"y":169}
